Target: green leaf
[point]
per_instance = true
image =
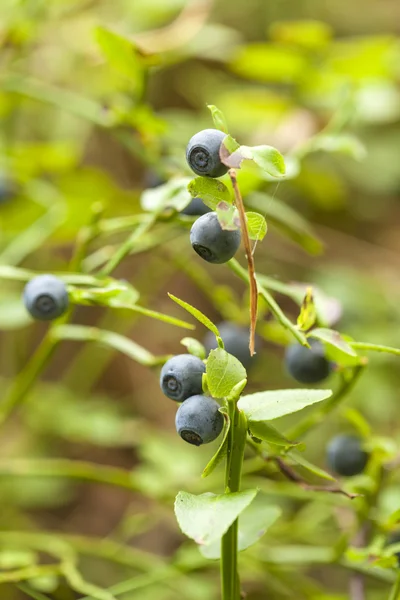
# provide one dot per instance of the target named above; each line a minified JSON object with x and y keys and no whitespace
{"x":228,"y":216}
{"x":223,"y":448}
{"x":224,"y":371}
{"x":194,"y":347}
{"x":171,"y":195}
{"x":254,"y":522}
{"x":16,"y":558}
{"x":196,"y":314}
{"x":236,"y":391}
{"x":256,"y":225}
{"x":267,"y":62}
{"x":308,"y":313}
{"x":333,"y":338}
{"x":263,"y":431}
{"x":211,"y":191}
{"x":309,"y":34}
{"x":218,"y":118}
{"x":206,"y":518}
{"x":342,"y":143}
{"x":270,"y":405}
{"x":108,"y":338}
{"x":268,"y":158}
{"x":287,"y":220}
{"x":122,"y":55}
{"x":300,"y":460}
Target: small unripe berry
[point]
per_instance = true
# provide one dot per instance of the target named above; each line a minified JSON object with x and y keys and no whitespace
{"x":211,"y":242}
{"x":196,"y":208}
{"x":181,"y":377}
{"x":307,"y":365}
{"x":46,"y":297}
{"x":198,"y":420}
{"x":345,"y":455}
{"x":202,"y":153}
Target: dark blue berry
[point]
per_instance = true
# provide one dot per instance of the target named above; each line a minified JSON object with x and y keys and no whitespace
{"x":345,"y":455}
{"x":307,"y":365}
{"x":196,"y":208}
{"x":46,"y":297}
{"x":181,"y":377}
{"x":198,"y":420}
{"x":236,"y":342}
{"x":202,"y":153}
{"x":211,"y":242}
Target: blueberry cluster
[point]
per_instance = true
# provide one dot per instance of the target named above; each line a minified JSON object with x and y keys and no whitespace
{"x":208,"y":239}
{"x":198,"y":420}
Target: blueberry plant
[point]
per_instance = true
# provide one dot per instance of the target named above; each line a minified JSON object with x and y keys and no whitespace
{"x":260,"y":509}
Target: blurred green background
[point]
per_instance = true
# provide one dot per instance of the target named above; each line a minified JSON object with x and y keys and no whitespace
{"x":97,"y":102}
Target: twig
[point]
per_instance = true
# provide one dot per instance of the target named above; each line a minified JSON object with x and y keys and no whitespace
{"x":290,"y":474}
{"x":250,"y":260}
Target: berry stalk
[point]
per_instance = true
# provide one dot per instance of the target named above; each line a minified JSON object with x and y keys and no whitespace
{"x":234,"y":461}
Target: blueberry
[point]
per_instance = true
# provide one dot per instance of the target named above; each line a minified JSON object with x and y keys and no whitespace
{"x":202,"y":153}
{"x":46,"y":297}
{"x":181,"y":377}
{"x":236,"y":341}
{"x":196,"y":208}
{"x":307,"y":365}
{"x":211,"y":242}
{"x":198,"y":420}
{"x":346,"y":456}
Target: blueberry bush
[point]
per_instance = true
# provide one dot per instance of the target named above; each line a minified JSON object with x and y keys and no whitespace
{"x":198,"y":309}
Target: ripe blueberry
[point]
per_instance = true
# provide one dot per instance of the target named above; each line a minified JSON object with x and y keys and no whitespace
{"x":181,"y":377}
{"x":46,"y":297}
{"x":198,"y":420}
{"x":236,"y":341}
{"x":211,"y":242}
{"x":346,"y":456}
{"x":307,"y":365}
{"x":196,"y":208}
{"x":202,"y":153}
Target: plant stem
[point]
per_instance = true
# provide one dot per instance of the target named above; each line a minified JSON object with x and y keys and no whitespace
{"x":395,"y":591}
{"x":229,"y":544}
{"x":250,"y":260}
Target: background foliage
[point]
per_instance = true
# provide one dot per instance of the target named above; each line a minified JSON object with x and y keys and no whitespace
{"x":97,"y":102}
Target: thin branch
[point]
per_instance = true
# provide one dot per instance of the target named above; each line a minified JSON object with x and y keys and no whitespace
{"x":250,"y":260}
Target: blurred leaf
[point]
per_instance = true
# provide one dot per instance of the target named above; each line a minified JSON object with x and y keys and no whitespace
{"x":266,"y":406}
{"x":194,"y":347}
{"x":211,"y":191}
{"x":358,"y":421}
{"x":46,"y":583}
{"x":341,"y":143}
{"x":122,"y":55}
{"x":196,"y":314}
{"x":333,"y":338}
{"x":269,"y":63}
{"x":218,"y":118}
{"x":207,"y":517}
{"x":285,"y":219}
{"x":228,"y":216}
{"x":257,"y":226}
{"x":13,"y":314}
{"x":173,"y":194}
{"x":254,"y":522}
{"x":267,"y":433}
{"x":268,"y":158}
{"x":223,"y":447}
{"x":309,"y":34}
{"x":308,"y":313}
{"x":298,"y":458}
{"x":223,"y":371}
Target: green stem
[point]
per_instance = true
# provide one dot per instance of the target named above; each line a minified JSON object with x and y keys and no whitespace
{"x":318,"y":416}
{"x":395,"y":591}
{"x":234,"y":462}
